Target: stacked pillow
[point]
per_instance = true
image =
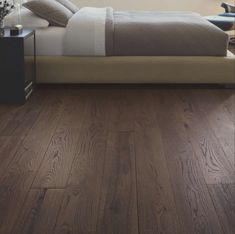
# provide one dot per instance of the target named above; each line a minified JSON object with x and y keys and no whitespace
{"x":56,"y":12}
{"x":69,"y":5}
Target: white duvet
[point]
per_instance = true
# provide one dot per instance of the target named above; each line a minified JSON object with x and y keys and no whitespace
{"x":85,"y":33}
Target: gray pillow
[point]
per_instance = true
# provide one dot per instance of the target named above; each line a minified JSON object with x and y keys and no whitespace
{"x":66,"y":3}
{"x":55,"y":13}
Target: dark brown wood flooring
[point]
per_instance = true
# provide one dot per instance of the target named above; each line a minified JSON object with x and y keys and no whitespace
{"x":118,"y":161}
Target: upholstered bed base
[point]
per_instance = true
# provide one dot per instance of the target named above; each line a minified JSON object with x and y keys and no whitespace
{"x":213,"y":70}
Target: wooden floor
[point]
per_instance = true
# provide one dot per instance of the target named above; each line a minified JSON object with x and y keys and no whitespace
{"x":118,"y":160}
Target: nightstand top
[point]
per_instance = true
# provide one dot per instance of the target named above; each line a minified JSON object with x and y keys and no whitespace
{"x":226,"y":23}
{"x":25,"y":34}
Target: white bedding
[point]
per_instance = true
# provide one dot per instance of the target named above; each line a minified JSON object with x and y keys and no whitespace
{"x":85,"y":33}
{"x":84,"y":36}
{"x":49,"y":41}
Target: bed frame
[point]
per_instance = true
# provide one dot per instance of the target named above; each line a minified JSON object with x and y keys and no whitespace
{"x":177,"y":70}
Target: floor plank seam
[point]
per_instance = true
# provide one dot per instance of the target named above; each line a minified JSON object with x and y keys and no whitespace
{"x":200,"y":172}
{"x":58,"y":213}
{"x":13,"y":158}
{"x":48,"y":188}
{"x":136,"y":187}
{"x":77,"y":150}
{"x":102,"y":178}
{"x":220,"y":221}
{"x":212,"y":131}
{"x":168,"y":169}
{"x":27,"y":193}
{"x":23,"y":204}
{"x":24,"y":137}
{"x":169,"y":143}
{"x":20,"y":108}
{"x":48,"y":145}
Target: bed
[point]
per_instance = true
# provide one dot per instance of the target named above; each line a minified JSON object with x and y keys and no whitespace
{"x":99,"y":49}
{"x":136,"y":69}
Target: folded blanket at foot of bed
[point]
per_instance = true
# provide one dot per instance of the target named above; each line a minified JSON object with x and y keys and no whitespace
{"x":105,"y":32}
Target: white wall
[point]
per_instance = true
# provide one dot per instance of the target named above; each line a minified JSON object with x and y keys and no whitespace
{"x":204,"y":7}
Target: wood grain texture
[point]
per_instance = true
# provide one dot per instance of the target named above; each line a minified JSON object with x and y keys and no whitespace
{"x":15,"y":123}
{"x":223,"y":196}
{"x":192,"y":198}
{"x":226,"y":98}
{"x":55,"y":168}
{"x":18,"y":121}
{"x":218,"y":120}
{"x":30,"y":211}
{"x":118,"y":202}
{"x":120,"y":112}
{"x":8,"y":150}
{"x":6,"y":114}
{"x":156,"y":203}
{"x":39,"y":213}
{"x":217,"y":167}
{"x":118,"y":160}
{"x":17,"y":180}
{"x":79,"y":210}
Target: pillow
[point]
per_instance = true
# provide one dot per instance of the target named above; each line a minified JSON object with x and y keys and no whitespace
{"x":55,"y":13}
{"x":28,"y":20}
{"x":69,"y":5}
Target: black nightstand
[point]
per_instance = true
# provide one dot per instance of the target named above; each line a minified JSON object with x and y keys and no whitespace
{"x":17,"y":66}
{"x":225,"y":23}
{"x":231,"y":45}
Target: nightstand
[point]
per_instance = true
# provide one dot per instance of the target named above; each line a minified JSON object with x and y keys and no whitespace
{"x":231,"y":46}
{"x":17,"y":66}
{"x":225,"y":23}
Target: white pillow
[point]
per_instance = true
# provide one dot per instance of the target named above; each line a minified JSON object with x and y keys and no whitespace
{"x":28,"y":20}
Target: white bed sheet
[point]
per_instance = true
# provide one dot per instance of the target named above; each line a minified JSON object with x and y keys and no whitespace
{"x":85,"y":33}
{"x":49,"y":41}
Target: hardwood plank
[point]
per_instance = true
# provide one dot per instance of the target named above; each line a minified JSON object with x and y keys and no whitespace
{"x":118,"y":205}
{"x":217,"y":119}
{"x":19,"y":120}
{"x":79,"y":211}
{"x":223,"y":196}
{"x":156,"y":205}
{"x":120,"y":106}
{"x":8,"y":149}
{"x":9,"y":144}
{"x":16,"y":182}
{"x":227,"y":97}
{"x":192,"y":198}
{"x":29,"y":213}
{"x":217,"y":167}
{"x":56,"y":166}
{"x":7,"y":113}
{"x":116,"y":215}
{"x":39,"y":212}
{"x":130,"y":163}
